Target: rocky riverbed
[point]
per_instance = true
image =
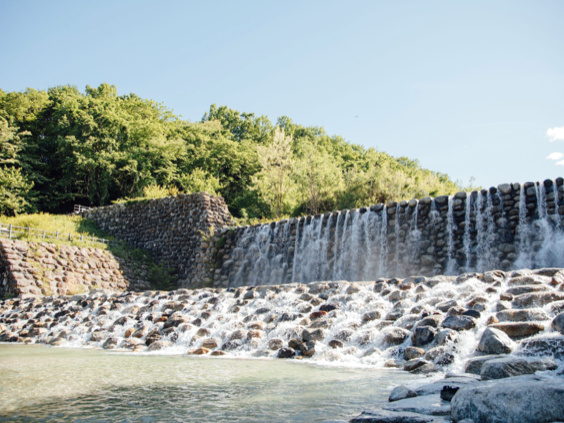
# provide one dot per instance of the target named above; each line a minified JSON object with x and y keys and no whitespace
{"x":489,"y":336}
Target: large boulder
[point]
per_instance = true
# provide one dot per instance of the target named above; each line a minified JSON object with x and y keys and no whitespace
{"x":525,"y":399}
{"x":494,"y":341}
{"x":459,"y":323}
{"x":501,"y":368}
{"x":401,"y":392}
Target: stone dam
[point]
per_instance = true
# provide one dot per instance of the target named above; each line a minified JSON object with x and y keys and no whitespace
{"x":511,"y":226}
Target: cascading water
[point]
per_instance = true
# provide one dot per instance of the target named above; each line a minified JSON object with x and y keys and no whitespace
{"x":369,"y":243}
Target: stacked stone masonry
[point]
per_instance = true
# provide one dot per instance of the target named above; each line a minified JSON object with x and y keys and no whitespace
{"x":46,"y":269}
{"x":498,"y":228}
{"x":175,"y":230}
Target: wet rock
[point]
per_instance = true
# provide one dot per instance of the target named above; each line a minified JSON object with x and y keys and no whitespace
{"x":491,"y":320}
{"x":526,"y":289}
{"x":494,"y":341}
{"x":401,"y":392}
{"x":502,"y":305}
{"x":411,"y":353}
{"x":97,"y":336}
{"x":474,"y":365}
{"x":372,"y":351}
{"x":218,"y":353}
{"x":275,"y":344}
{"x":384,"y":416}
{"x":307,"y":349}
{"x":286,"y":353}
{"x":317,"y":314}
{"x":537,"y":299}
{"x":395,"y":336}
{"x":295,"y":343}
{"x":423,"y":335}
{"x":159,"y":345}
{"x":526,"y":399}
{"x":321,"y":323}
{"x":414,"y":364}
{"x":429,"y":405}
{"x":200,"y":351}
{"x":444,"y":336}
{"x":459,"y":323}
{"x":230,"y":345}
{"x":519,"y":329}
{"x":344,"y":335}
{"x":542,"y":364}
{"x":433,"y":321}
{"x":238,"y":334}
{"x":316,"y":335}
{"x":522,"y":315}
{"x":446,"y":305}
{"x":438,"y":386}
{"x":372,"y":315}
{"x":334,"y":343}
{"x":472,"y":313}
{"x":558,"y":323}
{"x":328,"y":307}
{"x":210,"y":343}
{"x":110,"y":343}
{"x":394,"y":315}
{"x":553,"y":346}
{"x":500,"y":368}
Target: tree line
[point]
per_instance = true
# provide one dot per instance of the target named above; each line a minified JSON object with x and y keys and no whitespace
{"x":62,"y":146}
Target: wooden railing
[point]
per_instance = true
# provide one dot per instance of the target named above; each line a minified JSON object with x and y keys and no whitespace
{"x":19,"y":232}
{"x":79,"y":209}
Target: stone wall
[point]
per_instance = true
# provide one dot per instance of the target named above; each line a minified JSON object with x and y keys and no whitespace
{"x":39,"y":268}
{"x":175,"y":230}
{"x":505,"y":227}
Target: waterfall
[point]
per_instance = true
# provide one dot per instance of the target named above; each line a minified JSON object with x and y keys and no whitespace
{"x":383,"y":256}
{"x":467,"y":240}
{"x":451,"y":267}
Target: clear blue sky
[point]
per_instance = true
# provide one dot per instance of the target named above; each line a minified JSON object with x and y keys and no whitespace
{"x":468,"y":88}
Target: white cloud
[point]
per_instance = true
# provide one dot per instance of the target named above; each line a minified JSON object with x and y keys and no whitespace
{"x":561,"y":163}
{"x":556,"y":134}
{"x":555,"y":156}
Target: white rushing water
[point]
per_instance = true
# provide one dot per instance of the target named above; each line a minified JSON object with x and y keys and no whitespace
{"x":383,"y":242}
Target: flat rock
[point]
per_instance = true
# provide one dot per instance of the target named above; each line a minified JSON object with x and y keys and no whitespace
{"x":528,"y":315}
{"x":431,"y":405}
{"x":501,"y":368}
{"x":436,"y":387}
{"x":519,"y":329}
{"x":525,"y":399}
{"x":537,"y":299}
{"x":385,"y":416}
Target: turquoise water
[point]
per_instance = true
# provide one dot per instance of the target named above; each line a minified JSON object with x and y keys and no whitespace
{"x":39,"y":383}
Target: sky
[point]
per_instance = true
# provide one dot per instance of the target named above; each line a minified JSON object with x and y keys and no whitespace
{"x":470,"y":89}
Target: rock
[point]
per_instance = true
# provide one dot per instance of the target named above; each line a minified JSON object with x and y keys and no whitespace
{"x":423,"y":335}
{"x":295,"y":343}
{"x":395,"y":336}
{"x":494,"y":341}
{"x":558,"y":323}
{"x":372,"y":315}
{"x":519,"y":329}
{"x":328,"y":307}
{"x":431,"y":405}
{"x":445,"y":305}
{"x":413,"y":352}
{"x":474,"y":365}
{"x":159,"y":345}
{"x":307,"y":349}
{"x":491,"y":320}
{"x":414,"y":364}
{"x":543,"y":347}
{"x":438,"y":386}
{"x":459,"y":323}
{"x":401,"y":392}
{"x":200,"y":351}
{"x":334,"y":343}
{"x":128,"y":332}
{"x":432,"y":321}
{"x":218,"y":353}
{"x":543,"y":364}
{"x":110,"y":343}
{"x":444,"y":336}
{"x":472,"y":313}
{"x":500,"y":368}
{"x":525,"y":289}
{"x":372,"y":351}
{"x":522,"y":315}
{"x":448,"y":392}
{"x":526,"y":399}
{"x":286,"y":353}
{"x":316,"y":335}
{"x":385,"y":416}
{"x":97,"y":336}
{"x":231,"y":345}
{"x":275,"y":344}
{"x":537,"y":299}
{"x":210,"y":343}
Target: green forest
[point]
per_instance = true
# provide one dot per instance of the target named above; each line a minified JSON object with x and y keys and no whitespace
{"x":62,"y":147}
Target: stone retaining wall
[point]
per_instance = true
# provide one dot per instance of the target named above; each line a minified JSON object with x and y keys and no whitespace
{"x":175,"y":230}
{"x":39,"y":268}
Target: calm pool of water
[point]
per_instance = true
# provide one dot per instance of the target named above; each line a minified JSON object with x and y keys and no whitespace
{"x":39,"y":383}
